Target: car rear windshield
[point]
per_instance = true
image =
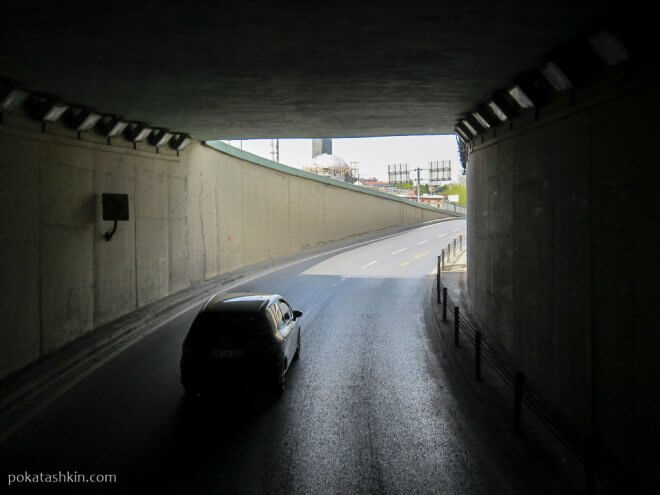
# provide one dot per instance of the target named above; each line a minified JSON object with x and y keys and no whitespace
{"x":228,"y":330}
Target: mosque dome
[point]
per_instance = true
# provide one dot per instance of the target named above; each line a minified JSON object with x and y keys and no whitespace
{"x":328,"y":161}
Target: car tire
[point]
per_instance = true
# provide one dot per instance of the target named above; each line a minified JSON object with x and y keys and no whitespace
{"x":278,"y":389}
{"x":296,"y":356}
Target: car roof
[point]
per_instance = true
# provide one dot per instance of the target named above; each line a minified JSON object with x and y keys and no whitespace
{"x":248,"y":302}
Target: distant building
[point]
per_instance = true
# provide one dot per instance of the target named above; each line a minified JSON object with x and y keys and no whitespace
{"x":375,"y":184}
{"x":326,"y":164}
{"x":321,"y":147}
{"x":435,"y":200}
{"x":432,"y":199}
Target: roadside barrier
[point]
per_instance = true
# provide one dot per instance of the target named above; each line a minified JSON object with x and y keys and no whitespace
{"x":524,"y":392}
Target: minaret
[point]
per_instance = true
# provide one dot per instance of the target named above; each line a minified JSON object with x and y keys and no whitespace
{"x":321,"y":146}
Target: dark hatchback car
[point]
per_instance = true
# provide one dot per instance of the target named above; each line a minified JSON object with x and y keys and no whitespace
{"x":240,"y":341}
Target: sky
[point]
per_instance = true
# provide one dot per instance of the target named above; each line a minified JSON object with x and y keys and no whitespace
{"x":372,"y":154}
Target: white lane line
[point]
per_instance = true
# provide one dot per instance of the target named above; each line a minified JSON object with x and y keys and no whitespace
{"x":456,"y":230}
{"x":423,"y":242}
{"x":369,"y":264}
{"x":342,"y":279}
{"x":399,"y":251}
{"x":441,"y":236}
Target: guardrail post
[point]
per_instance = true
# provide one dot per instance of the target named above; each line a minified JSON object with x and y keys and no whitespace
{"x":437,"y":281}
{"x":457,"y":318}
{"x":460,"y":241}
{"x":517,"y":399}
{"x":444,"y":304}
{"x":448,"y":251}
{"x":454,"y":246}
{"x":477,"y":356}
{"x":443,"y":259}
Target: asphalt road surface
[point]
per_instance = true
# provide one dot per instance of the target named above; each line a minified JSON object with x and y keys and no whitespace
{"x":370,"y":407}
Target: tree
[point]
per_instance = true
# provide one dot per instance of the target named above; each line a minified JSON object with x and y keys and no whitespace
{"x":423,"y":189}
{"x":454,"y":188}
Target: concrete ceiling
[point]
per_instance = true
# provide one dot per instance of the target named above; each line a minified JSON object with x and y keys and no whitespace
{"x":277,"y":69}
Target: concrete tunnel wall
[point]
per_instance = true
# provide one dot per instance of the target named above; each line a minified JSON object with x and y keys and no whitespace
{"x":192,"y":218}
{"x":562,"y":227}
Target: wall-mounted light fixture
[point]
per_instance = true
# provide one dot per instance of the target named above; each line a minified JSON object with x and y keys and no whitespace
{"x":464,"y":130}
{"x":497,"y":111}
{"x":520,"y":97}
{"x":11,"y":96}
{"x":115,"y":208}
{"x":81,"y":118}
{"x":160,"y":137}
{"x":536,"y":87}
{"x":482,"y":121}
{"x":469,"y":127}
{"x":556,"y":77}
{"x":609,"y":48}
{"x":180,"y":141}
{"x":462,"y":134}
{"x":137,"y":131}
{"x":47,"y":108}
{"x":487,"y":115}
{"x":111,"y":125}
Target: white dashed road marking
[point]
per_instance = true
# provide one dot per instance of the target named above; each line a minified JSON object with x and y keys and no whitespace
{"x":369,"y":264}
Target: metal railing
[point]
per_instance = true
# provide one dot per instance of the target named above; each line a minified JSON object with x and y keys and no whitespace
{"x":524,"y":392}
{"x":453,"y":208}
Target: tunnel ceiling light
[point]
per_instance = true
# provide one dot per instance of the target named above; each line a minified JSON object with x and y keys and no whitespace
{"x":470,"y":127}
{"x":481,"y":120}
{"x":506,"y":105}
{"x":47,"y":108}
{"x":464,"y":130}
{"x":180,"y":141}
{"x":82,"y":119}
{"x":555,"y":77}
{"x":137,"y":131}
{"x":609,"y":48}
{"x":160,"y":137}
{"x":536,"y":87}
{"x":497,"y":111}
{"x":487,"y":115}
{"x":55,"y":112}
{"x":111,"y":125}
{"x":520,"y":97}
{"x":462,"y":134}
{"x":89,"y":121}
{"x":11,"y":97}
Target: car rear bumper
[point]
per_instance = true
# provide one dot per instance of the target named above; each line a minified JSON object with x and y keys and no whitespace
{"x":220,"y":374}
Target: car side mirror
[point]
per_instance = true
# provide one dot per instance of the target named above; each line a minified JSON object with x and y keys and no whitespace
{"x":296,"y":314}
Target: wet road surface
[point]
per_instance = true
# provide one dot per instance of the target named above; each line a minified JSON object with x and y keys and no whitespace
{"x":369,"y":407}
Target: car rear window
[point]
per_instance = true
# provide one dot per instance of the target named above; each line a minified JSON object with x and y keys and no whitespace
{"x":228,"y":330}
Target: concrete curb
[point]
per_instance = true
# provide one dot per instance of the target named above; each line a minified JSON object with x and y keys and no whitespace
{"x":558,"y":470}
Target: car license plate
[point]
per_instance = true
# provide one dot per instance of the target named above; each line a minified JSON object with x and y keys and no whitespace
{"x":227,"y":353}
